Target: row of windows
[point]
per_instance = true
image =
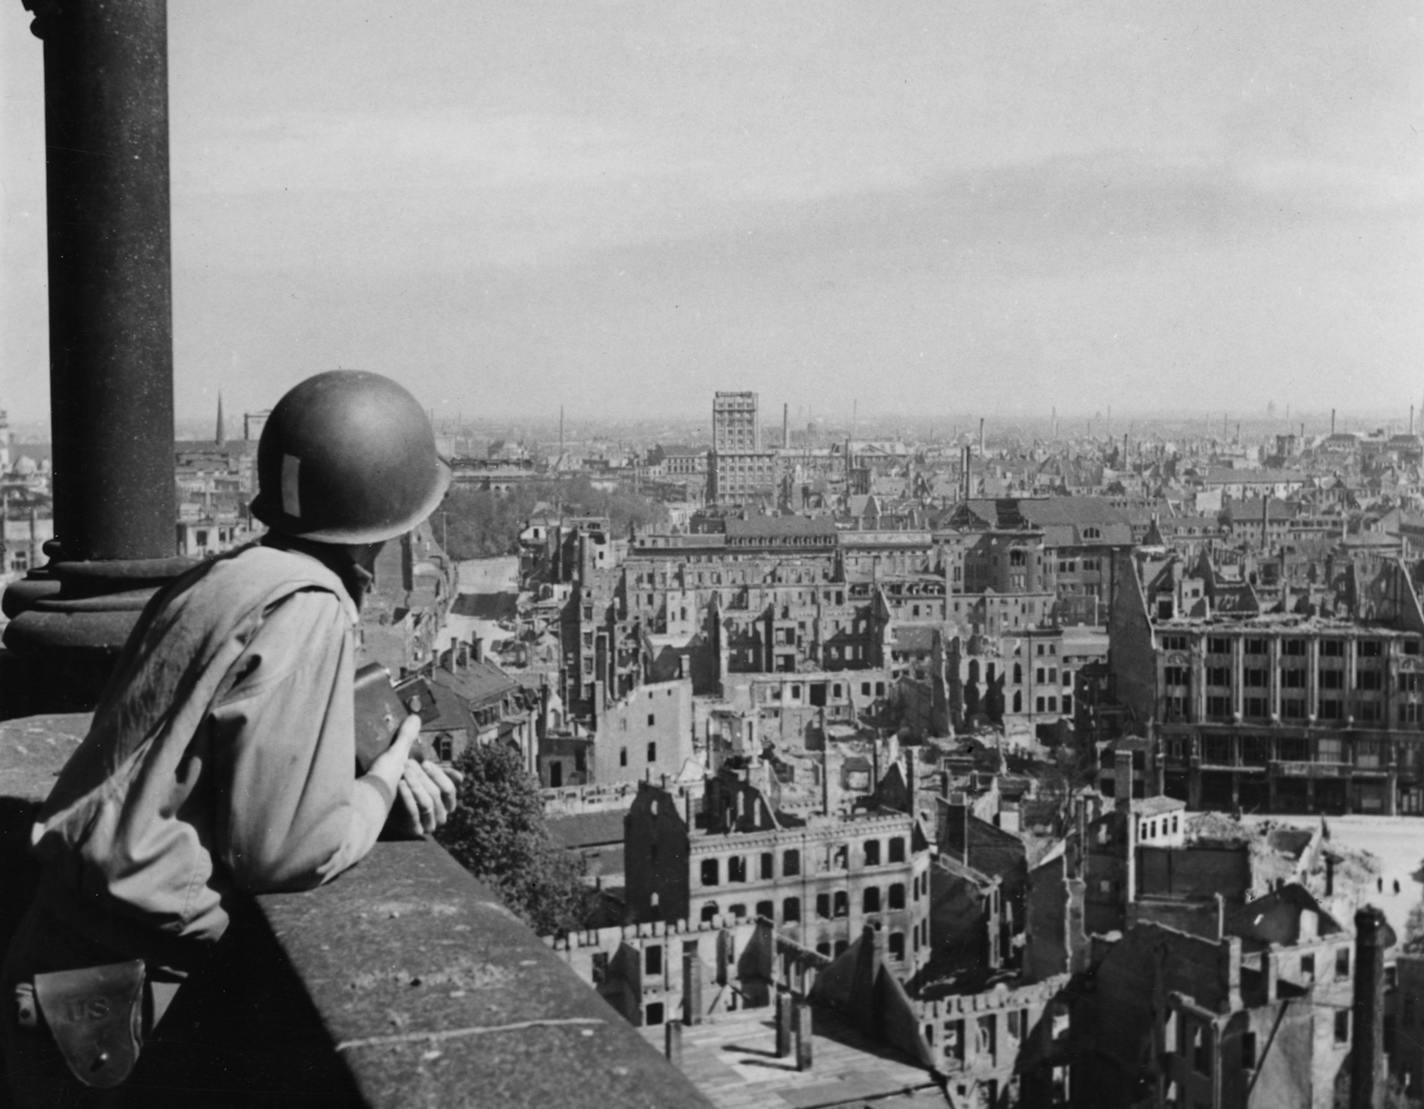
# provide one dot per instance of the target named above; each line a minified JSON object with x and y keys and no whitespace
{"x":1290,"y":646}
{"x":1259,"y":750}
{"x":829,"y":906}
{"x":835,"y":858}
{"x":1368,"y":681}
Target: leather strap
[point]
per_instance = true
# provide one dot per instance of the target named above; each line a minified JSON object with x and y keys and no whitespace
{"x":96,"y":1017}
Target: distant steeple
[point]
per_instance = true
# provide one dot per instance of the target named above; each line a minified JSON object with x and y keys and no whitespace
{"x":221,"y":436}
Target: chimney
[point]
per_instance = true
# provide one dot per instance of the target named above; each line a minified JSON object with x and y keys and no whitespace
{"x":785,"y":425}
{"x":1367,"y":1079}
{"x":691,"y":989}
{"x":1122,"y":779}
{"x":955,"y":836}
{"x":1332,"y":421}
{"x":784,"y":1014}
{"x":1228,"y":968}
{"x":1329,"y":875}
{"x":672,"y":1041}
{"x":981,"y":436}
{"x":802,"y":1020}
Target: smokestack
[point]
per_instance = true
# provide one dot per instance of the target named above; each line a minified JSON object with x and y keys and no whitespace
{"x":1332,"y":421}
{"x":981,"y":436}
{"x":1367,"y":1083}
{"x":1411,"y":419}
{"x":785,"y":426}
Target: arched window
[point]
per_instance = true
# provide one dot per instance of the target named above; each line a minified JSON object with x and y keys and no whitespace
{"x":709,"y":912}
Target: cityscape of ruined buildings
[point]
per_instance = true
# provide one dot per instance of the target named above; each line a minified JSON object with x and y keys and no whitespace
{"x":947,"y":759}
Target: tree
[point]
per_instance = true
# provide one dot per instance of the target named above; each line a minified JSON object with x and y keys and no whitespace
{"x":479,"y":523}
{"x":499,"y":835}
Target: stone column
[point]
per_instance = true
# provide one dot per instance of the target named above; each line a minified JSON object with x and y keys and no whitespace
{"x":1273,"y":677}
{"x":1312,"y":681}
{"x":111,"y":344}
{"x":1238,"y":678}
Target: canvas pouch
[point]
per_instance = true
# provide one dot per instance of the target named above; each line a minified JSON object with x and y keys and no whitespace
{"x":95,"y":1015}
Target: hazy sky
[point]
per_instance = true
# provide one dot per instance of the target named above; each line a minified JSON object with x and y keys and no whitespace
{"x":939,"y":206}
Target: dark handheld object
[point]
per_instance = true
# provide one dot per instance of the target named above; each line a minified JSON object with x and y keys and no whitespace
{"x":381,"y":705}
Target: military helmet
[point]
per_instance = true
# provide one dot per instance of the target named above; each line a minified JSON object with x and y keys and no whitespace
{"x":347,"y":456}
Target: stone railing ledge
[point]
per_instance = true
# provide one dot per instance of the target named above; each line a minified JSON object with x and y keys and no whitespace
{"x":435,"y":994}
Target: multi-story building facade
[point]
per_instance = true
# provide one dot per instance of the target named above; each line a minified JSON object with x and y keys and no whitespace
{"x":738,"y":469}
{"x":1283,"y":712}
{"x":820,"y":879}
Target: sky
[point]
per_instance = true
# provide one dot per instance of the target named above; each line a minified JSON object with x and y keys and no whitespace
{"x":933,"y":207}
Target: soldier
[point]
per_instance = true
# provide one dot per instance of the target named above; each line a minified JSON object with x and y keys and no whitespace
{"x":221,"y":758}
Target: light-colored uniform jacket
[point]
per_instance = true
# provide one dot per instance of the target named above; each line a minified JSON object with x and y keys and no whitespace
{"x":221,"y":758}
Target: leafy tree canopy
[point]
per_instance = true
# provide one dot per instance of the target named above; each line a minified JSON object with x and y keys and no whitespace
{"x":476,"y":523}
{"x":498,"y":834}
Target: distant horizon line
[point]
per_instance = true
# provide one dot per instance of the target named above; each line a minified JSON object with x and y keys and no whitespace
{"x":770,"y":417}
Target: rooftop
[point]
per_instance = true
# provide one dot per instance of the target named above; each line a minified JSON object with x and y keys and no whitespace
{"x":733,"y":1059}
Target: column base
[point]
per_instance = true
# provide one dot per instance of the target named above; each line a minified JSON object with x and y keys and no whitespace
{"x":69,"y":622}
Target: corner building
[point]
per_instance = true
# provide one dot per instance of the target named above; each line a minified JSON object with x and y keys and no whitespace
{"x":1275,"y":712}
{"x":820,"y":880}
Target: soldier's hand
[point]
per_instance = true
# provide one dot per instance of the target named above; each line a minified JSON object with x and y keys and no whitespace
{"x":427,"y":793}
